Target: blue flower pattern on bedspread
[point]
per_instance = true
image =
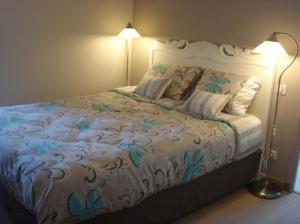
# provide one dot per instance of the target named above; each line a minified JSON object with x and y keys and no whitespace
{"x":11,"y":121}
{"x":82,"y":211}
{"x":192,"y":166}
{"x":82,"y":125}
{"x":136,"y":152}
{"x":41,"y":148}
{"x":72,"y":159}
{"x":222,"y":126}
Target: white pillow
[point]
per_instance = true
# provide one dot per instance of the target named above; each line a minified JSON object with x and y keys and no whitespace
{"x":205,"y":104}
{"x":241,"y":101}
{"x":153,"y":87}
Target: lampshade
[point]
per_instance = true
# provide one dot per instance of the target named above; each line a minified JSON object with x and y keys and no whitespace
{"x":270,"y":47}
{"x":129,"y":32}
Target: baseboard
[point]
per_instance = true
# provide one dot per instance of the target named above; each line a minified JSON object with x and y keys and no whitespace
{"x":284,"y":185}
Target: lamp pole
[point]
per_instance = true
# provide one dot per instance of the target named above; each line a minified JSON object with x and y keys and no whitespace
{"x":127,"y":61}
{"x":264,"y":188}
{"x":128,"y":33}
{"x":277,"y":98}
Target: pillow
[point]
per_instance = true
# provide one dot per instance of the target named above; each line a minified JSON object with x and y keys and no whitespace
{"x":240,"y":102}
{"x":158,"y":69}
{"x":184,"y":80}
{"x":153,"y":87}
{"x":221,"y":82}
{"x":205,"y":104}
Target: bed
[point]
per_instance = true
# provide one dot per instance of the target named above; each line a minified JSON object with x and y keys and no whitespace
{"x":117,"y":156}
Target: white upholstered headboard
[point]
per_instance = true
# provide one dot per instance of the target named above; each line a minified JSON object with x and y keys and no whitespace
{"x":226,"y":58}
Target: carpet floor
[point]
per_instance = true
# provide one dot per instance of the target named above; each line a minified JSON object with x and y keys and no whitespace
{"x":242,"y":207}
{"x":236,"y":208}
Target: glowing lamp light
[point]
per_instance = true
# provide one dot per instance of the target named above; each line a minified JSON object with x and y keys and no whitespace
{"x":129,"y":32}
{"x":271,"y":47}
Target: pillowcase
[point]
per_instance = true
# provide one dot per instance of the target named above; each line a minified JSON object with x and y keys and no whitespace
{"x":221,"y":82}
{"x":162,"y":70}
{"x":241,"y":101}
{"x":153,"y":87}
{"x":184,"y":80}
{"x":205,"y":104}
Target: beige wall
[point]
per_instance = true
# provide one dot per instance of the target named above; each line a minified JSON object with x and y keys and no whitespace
{"x":52,"y":49}
{"x":239,"y":22}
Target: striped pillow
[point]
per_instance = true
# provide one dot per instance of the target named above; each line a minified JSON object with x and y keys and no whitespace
{"x":153,"y":87}
{"x":205,"y":104}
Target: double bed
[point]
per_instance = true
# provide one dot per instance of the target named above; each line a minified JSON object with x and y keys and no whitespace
{"x":118,"y":157}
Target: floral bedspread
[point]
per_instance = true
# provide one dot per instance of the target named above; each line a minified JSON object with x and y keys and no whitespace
{"x":70,"y":160}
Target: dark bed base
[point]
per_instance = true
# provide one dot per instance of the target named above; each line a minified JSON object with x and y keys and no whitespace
{"x":168,"y":205}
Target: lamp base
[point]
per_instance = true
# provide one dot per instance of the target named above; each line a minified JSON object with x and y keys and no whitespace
{"x":263,"y":188}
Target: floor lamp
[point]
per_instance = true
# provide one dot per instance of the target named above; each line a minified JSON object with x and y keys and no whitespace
{"x":128,"y":33}
{"x":264,"y":188}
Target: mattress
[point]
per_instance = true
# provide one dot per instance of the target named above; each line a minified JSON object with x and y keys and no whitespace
{"x":70,"y":160}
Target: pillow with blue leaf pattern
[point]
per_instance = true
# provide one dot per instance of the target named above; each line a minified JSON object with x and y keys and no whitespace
{"x":160,"y":70}
{"x":221,"y":82}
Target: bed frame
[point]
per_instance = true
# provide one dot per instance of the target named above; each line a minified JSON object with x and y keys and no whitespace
{"x":169,"y":205}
